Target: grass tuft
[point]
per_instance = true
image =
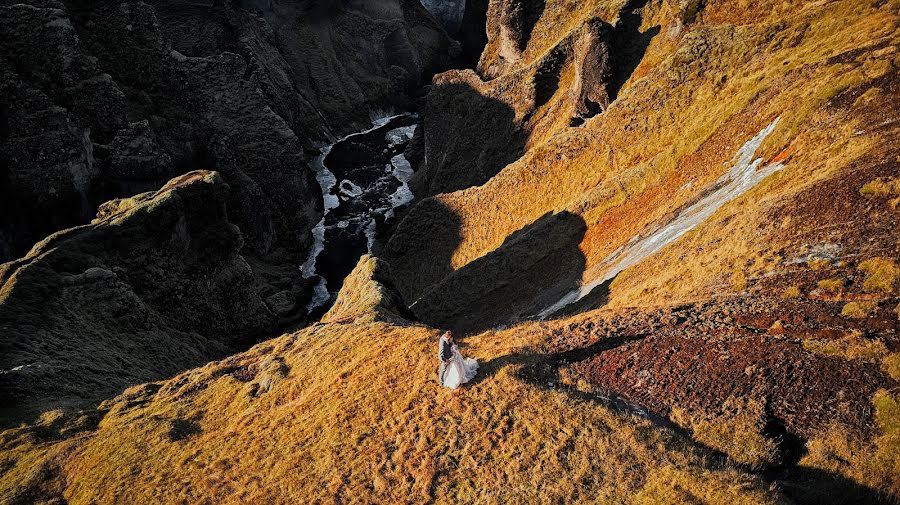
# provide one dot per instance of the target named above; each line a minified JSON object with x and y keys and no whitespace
{"x":881,"y":187}
{"x":791,"y":292}
{"x":858,"y":310}
{"x":739,"y":433}
{"x":851,"y":346}
{"x":834,"y":285}
{"x":882,"y":275}
{"x":818,"y":264}
{"x":891,"y":365}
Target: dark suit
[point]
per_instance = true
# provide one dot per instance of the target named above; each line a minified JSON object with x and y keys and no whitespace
{"x":445,"y":354}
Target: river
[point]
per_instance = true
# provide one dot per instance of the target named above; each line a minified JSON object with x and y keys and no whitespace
{"x":363,"y":178}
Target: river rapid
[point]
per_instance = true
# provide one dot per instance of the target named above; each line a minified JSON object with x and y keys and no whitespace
{"x":363,"y":178}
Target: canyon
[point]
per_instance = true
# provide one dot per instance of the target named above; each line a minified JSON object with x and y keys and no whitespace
{"x":231,"y":233}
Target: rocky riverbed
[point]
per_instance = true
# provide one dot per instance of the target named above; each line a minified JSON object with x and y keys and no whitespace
{"x":364,"y":179}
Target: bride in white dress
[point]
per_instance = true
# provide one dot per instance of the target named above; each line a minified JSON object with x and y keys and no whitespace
{"x":455,"y":370}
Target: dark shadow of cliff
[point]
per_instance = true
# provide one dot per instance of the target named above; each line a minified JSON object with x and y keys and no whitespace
{"x":520,"y":17}
{"x":814,"y":486}
{"x":473,"y":31}
{"x":470,"y":137}
{"x":421,"y":248}
{"x":629,"y":44}
{"x":547,"y":77}
{"x":534,"y":267}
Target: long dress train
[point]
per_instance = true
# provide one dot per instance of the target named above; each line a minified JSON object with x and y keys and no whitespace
{"x":459,"y":370}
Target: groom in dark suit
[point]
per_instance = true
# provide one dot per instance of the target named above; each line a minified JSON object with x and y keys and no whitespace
{"x":445,"y":353}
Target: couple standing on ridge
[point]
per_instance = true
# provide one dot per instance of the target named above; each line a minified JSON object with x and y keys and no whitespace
{"x":455,"y":370}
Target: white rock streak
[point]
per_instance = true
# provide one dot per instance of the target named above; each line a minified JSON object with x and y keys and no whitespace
{"x":744,"y":174}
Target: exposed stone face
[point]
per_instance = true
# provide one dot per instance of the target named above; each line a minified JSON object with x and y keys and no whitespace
{"x":504,"y":115}
{"x":594,"y":69}
{"x":209,"y":115}
{"x":105,"y":102}
{"x":154,"y":285}
{"x":448,"y":12}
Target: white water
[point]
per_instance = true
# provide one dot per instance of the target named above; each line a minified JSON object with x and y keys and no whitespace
{"x":397,"y":136}
{"x":403,"y":172}
{"x":744,"y":174}
{"x":327,"y":181}
{"x":348,"y":188}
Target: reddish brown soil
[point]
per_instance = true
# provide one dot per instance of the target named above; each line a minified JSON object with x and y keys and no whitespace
{"x":697,"y":356}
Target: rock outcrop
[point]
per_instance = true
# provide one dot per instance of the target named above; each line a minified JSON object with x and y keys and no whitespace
{"x":448,"y":12}
{"x":107,"y":99}
{"x":368,"y":296}
{"x":154,"y":285}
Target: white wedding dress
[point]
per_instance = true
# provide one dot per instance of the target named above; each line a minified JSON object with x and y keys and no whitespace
{"x":458,"y":370}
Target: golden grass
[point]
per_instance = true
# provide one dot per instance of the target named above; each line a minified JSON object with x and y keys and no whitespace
{"x":358,"y":417}
{"x":739,"y":280}
{"x":850,"y":346}
{"x":791,"y":292}
{"x":891,"y":365}
{"x":818,"y":264}
{"x":875,"y":464}
{"x":669,"y":485}
{"x":690,"y":122}
{"x":739,"y":434}
{"x":363,"y":297}
{"x":882,"y":275}
{"x":886,"y":462}
{"x":858,"y":310}
{"x":834,"y":285}
{"x":881,"y":187}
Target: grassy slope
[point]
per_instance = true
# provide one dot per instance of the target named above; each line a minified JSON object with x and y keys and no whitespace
{"x":344,"y":412}
{"x":353,"y":413}
{"x":690,"y":106}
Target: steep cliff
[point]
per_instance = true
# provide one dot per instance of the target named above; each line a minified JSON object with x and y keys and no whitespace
{"x":154,"y":285}
{"x":659,"y":144}
{"x":666,"y":229}
{"x":114,"y":98}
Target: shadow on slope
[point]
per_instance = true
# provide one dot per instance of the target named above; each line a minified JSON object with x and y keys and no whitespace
{"x":545,"y":370}
{"x":629,"y":44}
{"x":457,"y":119}
{"x":473,"y":32}
{"x":154,"y":286}
{"x":519,"y":17}
{"x":532,"y":267}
